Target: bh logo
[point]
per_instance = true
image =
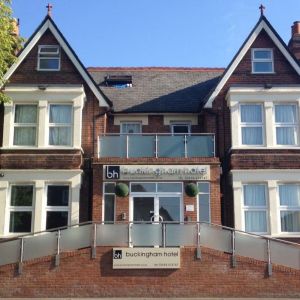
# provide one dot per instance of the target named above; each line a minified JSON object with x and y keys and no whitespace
{"x":117,"y":254}
{"x":112,"y":172}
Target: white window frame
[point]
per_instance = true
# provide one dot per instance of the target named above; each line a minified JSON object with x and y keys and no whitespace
{"x":57,"y":208}
{"x":286,"y":208}
{"x":53,"y":125}
{"x":258,"y":60}
{"x":123,"y":123}
{"x":50,"y":57}
{"x":12,"y":208}
{"x":103,"y":200}
{"x":176,"y":123}
{"x":21,"y":125}
{"x":209,"y":200}
{"x":246,"y":208}
{"x":247,"y":125}
{"x":292,"y":125}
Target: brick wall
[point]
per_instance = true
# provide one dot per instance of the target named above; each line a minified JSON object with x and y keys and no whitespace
{"x":79,"y":276}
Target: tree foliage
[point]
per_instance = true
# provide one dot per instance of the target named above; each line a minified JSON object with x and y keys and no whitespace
{"x":9,"y":42}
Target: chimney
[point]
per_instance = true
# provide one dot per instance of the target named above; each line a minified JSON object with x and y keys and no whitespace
{"x":15,"y":25}
{"x":294,"y":43}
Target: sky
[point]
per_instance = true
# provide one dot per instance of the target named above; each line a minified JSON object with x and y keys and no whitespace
{"x":172,"y":33}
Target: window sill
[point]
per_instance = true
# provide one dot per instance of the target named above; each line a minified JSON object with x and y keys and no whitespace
{"x":41,"y":148}
{"x":265,"y":147}
{"x":263,"y":73}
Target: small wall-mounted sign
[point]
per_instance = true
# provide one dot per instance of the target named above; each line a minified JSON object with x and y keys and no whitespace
{"x":146,"y":258}
{"x":190,"y":207}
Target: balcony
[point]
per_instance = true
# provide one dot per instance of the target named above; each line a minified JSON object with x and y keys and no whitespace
{"x":156,"y":145}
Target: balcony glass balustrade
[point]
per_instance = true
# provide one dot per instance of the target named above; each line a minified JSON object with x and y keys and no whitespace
{"x":157,"y":145}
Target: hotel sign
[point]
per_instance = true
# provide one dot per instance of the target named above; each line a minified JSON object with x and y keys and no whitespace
{"x":157,"y":172}
{"x":146,"y":258}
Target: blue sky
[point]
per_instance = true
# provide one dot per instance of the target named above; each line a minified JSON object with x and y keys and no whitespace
{"x":175,"y":33}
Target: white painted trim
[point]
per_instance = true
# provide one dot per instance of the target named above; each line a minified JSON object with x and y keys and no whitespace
{"x":35,"y":39}
{"x":192,"y":119}
{"x":243,"y":51}
{"x":129,"y":118}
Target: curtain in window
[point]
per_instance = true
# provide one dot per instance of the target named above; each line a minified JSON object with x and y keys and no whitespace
{"x":254,"y":195}
{"x":251,"y":113}
{"x":25,"y":114}
{"x":285,"y":135}
{"x":61,"y":114}
{"x":60,"y":136}
{"x":252,"y":136}
{"x":24,"y":136}
{"x":285,"y":114}
{"x":131,"y":128}
{"x":290,"y":221}
{"x":255,"y":221}
{"x":289,"y":195}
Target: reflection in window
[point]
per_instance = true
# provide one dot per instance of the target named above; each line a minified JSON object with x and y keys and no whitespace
{"x":204,"y":202}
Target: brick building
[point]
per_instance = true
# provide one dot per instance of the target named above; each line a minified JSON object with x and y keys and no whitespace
{"x":155,"y":145}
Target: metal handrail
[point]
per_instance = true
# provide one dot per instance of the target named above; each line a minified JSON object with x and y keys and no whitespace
{"x":155,"y":133}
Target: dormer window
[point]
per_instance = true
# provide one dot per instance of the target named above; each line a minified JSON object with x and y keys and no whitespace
{"x":49,"y":58}
{"x":262,"y":61}
{"x":118,"y":81}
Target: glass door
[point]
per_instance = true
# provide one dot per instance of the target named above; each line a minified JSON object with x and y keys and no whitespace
{"x":143,"y":209}
{"x":169,"y":208}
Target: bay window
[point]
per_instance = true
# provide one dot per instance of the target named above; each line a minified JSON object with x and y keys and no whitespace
{"x":255,"y":208}
{"x":25,"y":123}
{"x":252,"y":126}
{"x":60,"y":125}
{"x":289,"y":199}
{"x":286,"y":124}
{"x":57,"y":207}
{"x":20,"y":208}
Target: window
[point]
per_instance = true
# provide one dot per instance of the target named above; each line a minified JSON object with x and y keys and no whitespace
{"x":252,"y":124}
{"x":25,"y":123}
{"x":262,"y":61}
{"x":21,"y":206}
{"x":289,"y":199}
{"x":181,"y":128}
{"x":49,"y":58}
{"x":255,"y":208}
{"x":60,"y":125}
{"x":204,"y":202}
{"x":109,"y":202}
{"x":131,"y":127}
{"x":286,"y":123}
{"x":57,"y":208}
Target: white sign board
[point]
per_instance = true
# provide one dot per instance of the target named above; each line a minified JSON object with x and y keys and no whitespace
{"x":157,"y":172}
{"x":146,"y":258}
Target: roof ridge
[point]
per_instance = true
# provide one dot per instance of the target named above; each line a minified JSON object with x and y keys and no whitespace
{"x":195,"y":69}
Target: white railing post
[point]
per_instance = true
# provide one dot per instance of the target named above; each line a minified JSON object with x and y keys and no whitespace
{"x":127,"y":146}
{"x":185,"y":146}
{"x":164,"y":235}
{"x":94,"y":241}
{"x":156,"y":146}
{"x":129,"y":235}
{"x":56,"y":263}
{"x":20,"y":264}
{"x":198,"y":251}
{"x":233,"y":257}
{"x":269,"y":258}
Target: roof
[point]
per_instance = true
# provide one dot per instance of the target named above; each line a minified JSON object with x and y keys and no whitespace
{"x":48,"y":23}
{"x":262,"y":24}
{"x":159,"y":89}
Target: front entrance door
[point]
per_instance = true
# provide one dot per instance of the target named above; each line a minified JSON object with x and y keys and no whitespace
{"x":156,"y":209}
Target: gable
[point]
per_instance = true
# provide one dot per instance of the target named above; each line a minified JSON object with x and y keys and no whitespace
{"x":262,"y":35}
{"x":71,"y":72}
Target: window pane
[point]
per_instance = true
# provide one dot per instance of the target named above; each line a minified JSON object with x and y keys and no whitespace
{"x":109,"y":208}
{"x":290,"y":221}
{"x":60,"y":136}
{"x":180,"y":129}
{"x":252,"y":136}
{"x":20,"y":221}
{"x":56,"y":219}
{"x":285,"y":113}
{"x":169,"y":208}
{"x":263,"y":67}
{"x":255,"y":221}
{"x":131,"y":128}
{"x":286,"y":135}
{"x":262,"y":54}
{"x":25,"y":114}
{"x":204,"y":208}
{"x":254,"y":195}
{"x":49,"y":49}
{"x":109,"y":188}
{"x":169,"y":187}
{"x":60,"y":114}
{"x":24,"y":136}
{"x":203,"y":187}
{"x":58,"y":195}
{"x":251,"y":113}
{"x":21,"y":195}
{"x":49,"y":63}
{"x":289,"y":195}
{"x":143,"y":187}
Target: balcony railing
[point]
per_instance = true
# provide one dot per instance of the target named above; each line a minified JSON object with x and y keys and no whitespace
{"x":157,"y":145}
{"x":145,"y":234}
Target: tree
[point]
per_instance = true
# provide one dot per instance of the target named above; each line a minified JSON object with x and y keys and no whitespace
{"x":10,"y":42}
